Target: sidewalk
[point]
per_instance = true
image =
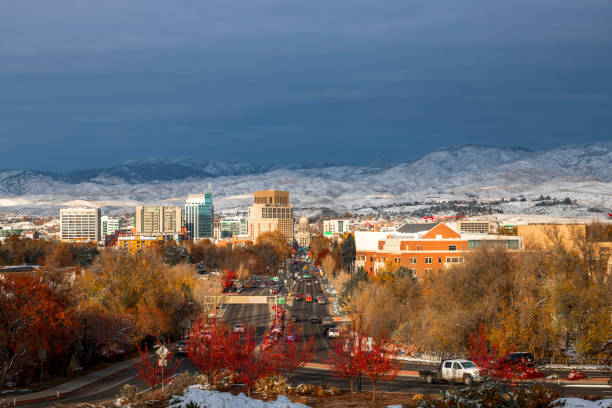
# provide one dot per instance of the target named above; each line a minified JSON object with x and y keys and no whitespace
{"x":77,"y":383}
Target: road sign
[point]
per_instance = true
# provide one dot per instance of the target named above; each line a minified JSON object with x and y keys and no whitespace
{"x":42,"y":354}
{"x":280,"y":301}
{"x":162,"y":362}
{"x":274,"y":279}
{"x":162,"y":352}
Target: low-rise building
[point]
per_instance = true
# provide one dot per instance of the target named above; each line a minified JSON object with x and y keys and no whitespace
{"x":136,"y":242}
{"x":332,"y":227}
{"x":422,"y":248}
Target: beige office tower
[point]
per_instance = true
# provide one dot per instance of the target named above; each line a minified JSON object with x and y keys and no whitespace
{"x":158,"y":219}
{"x":271,"y":211}
{"x":80,"y":225}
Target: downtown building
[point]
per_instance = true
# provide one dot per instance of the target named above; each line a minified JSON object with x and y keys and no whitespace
{"x":422,"y":248}
{"x":271,"y":212}
{"x":199,"y":216}
{"x":108,"y":225}
{"x":80,"y":225}
{"x":158,"y":220}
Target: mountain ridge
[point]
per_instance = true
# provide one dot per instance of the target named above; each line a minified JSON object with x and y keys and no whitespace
{"x":581,"y":171}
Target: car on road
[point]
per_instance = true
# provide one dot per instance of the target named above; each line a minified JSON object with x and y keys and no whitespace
{"x":299,"y":296}
{"x":464,"y":371}
{"x":518,"y":358}
{"x":308,"y":298}
{"x":327,"y":321}
{"x":181,"y":348}
{"x":239,"y":328}
{"x":333,"y":332}
{"x":314,"y":319}
{"x":320,"y":300}
{"x":290,"y":338}
{"x":294,"y":318}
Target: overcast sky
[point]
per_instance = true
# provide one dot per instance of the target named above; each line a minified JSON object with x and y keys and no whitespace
{"x":93,"y":83}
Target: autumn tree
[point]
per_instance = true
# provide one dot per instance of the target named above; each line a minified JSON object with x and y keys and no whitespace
{"x":379,"y":361}
{"x":276,"y":241}
{"x":31,"y":318}
{"x":346,"y":358}
{"x":211,"y":347}
{"x":250,"y":364}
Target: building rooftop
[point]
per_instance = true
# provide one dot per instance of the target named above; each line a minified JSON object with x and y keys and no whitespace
{"x":414,"y":228}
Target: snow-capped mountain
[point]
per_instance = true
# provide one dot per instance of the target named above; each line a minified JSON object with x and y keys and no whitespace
{"x":581,"y":172}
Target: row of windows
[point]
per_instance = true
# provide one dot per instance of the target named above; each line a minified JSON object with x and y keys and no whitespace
{"x":413,"y":260}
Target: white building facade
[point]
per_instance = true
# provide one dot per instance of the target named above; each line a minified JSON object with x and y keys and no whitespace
{"x":80,"y":225}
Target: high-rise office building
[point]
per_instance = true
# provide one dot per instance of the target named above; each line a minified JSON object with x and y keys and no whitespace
{"x":157,"y":219}
{"x":271,"y":211}
{"x":109,"y":225}
{"x":80,"y":225}
{"x":199,"y":216}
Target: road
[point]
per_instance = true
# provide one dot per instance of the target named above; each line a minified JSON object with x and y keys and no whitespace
{"x":259,"y":317}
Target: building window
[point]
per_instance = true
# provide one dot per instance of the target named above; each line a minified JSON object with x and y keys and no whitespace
{"x":371,"y":269}
{"x":452,"y":247}
{"x":427,"y":270}
{"x":371,"y":259}
{"x":428,"y":260}
{"x":439,"y":260}
{"x":460,"y":260}
{"x":398,"y":260}
{"x":455,"y":260}
{"x":448,"y":260}
{"x":412,"y":261}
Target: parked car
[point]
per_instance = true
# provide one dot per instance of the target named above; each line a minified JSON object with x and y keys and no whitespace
{"x":320,"y":300}
{"x":333,"y":332}
{"x":453,"y":371}
{"x":308,"y":298}
{"x":315,"y":319}
{"x":181,"y":348}
{"x":327,"y":321}
{"x":524,"y":358}
{"x":294,"y":318}
{"x":239,"y":328}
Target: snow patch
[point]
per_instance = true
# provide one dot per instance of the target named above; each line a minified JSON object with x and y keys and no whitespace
{"x":216,"y":399}
{"x":580,"y":403}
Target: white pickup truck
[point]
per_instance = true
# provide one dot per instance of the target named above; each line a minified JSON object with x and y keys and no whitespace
{"x":464,"y":371}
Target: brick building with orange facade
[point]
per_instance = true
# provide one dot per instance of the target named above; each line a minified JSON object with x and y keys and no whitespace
{"x":422,"y":248}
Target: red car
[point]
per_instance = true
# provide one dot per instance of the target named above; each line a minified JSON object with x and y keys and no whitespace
{"x":299,"y":296}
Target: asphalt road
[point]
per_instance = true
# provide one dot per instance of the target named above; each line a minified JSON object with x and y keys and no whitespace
{"x":260,"y":317}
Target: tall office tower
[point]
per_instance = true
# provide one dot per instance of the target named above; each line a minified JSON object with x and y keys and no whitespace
{"x":80,"y":225}
{"x":199,"y":216}
{"x":271,"y":211}
{"x":156,"y":219}
{"x":109,"y":225}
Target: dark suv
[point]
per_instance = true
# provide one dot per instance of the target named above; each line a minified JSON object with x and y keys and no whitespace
{"x":523,"y":358}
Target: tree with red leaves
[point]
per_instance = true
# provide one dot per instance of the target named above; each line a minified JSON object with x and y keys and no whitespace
{"x":492,"y":363}
{"x":346,"y":358}
{"x":295,"y":352}
{"x":379,"y":361}
{"x":150,"y":370}
{"x":250,"y":364}
{"x":211,"y":347}
{"x":228,"y":279}
{"x":31,"y":318}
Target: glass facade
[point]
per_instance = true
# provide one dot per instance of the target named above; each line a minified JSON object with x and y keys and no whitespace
{"x":199,"y":216}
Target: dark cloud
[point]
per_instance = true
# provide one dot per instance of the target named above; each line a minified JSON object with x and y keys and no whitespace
{"x":88,"y":84}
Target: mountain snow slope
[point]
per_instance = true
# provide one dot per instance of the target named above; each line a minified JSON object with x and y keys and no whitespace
{"x":581,"y":172}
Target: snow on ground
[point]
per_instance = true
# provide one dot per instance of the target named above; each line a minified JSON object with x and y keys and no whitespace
{"x":580,"y":403}
{"x":216,"y":399}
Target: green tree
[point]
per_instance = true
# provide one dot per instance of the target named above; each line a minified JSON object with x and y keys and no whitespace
{"x":348,"y":252}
